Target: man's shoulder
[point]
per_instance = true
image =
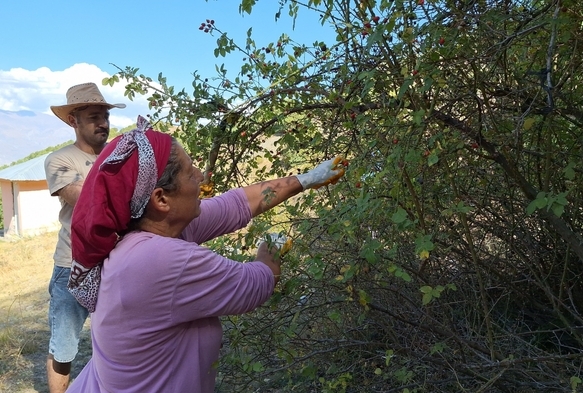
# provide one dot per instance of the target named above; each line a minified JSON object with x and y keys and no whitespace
{"x":65,"y":150}
{"x":69,"y":152}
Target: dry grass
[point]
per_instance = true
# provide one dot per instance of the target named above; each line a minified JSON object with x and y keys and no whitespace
{"x":25,"y":270}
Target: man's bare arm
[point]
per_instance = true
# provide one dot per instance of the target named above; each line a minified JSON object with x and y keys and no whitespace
{"x":70,"y":193}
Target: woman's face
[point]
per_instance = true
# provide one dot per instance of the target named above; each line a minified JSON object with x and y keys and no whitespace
{"x":185,"y":200}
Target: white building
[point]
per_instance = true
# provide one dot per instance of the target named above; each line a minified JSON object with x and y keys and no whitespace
{"x":28,"y":207}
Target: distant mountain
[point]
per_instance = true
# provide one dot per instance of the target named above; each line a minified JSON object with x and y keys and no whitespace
{"x":26,"y":132}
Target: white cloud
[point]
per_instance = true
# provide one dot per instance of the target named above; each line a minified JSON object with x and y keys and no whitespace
{"x":36,"y":90}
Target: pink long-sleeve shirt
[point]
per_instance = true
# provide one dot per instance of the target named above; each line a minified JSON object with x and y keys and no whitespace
{"x":156,"y":326}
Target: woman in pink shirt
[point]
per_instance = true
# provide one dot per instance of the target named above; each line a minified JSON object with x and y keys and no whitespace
{"x":155,"y":293}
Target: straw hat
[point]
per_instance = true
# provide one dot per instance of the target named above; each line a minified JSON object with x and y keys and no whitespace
{"x":82,"y":95}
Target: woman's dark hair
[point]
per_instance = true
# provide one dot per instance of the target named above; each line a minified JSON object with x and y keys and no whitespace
{"x":168,"y":181}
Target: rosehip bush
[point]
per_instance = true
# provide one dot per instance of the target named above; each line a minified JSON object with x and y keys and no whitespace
{"x":453,"y":245}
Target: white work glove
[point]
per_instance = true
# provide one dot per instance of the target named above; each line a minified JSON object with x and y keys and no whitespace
{"x":328,"y":172}
{"x":282,"y":243}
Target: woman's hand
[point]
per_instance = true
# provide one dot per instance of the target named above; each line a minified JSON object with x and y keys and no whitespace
{"x":328,"y":172}
{"x":270,"y":255}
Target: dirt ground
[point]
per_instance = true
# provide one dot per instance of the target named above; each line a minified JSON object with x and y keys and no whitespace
{"x":25,"y":270}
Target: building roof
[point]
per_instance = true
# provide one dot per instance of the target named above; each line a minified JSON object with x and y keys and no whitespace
{"x":31,"y":170}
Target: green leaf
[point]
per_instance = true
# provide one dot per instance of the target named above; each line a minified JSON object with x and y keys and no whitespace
{"x":246,"y":6}
{"x":433,"y":158}
{"x":438,"y":348}
{"x":541,"y":202}
{"x":363,"y":297}
{"x":423,"y":243}
{"x":558,"y":209}
{"x":531,"y":207}
{"x":370,"y":255}
{"x":418,"y":116}
{"x":569,"y":171}
{"x":562,"y":199}
{"x":404,"y":87}
{"x":369,"y":249}
{"x":427,"y":298}
{"x":334,"y":315}
{"x":437,"y":291}
{"x":399,"y":216}
{"x":389,"y":353}
{"x":402,"y":274}
{"x":349,"y":273}
{"x":308,"y":371}
{"x":462,"y":208}
{"x":427,"y":83}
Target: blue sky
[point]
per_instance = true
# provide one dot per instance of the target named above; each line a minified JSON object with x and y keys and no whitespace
{"x":48,"y":46}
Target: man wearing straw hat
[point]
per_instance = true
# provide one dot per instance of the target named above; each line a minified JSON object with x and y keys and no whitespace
{"x":88,"y":113}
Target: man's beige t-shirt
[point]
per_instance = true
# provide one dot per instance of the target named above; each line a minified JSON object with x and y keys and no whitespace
{"x":63,"y":167}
